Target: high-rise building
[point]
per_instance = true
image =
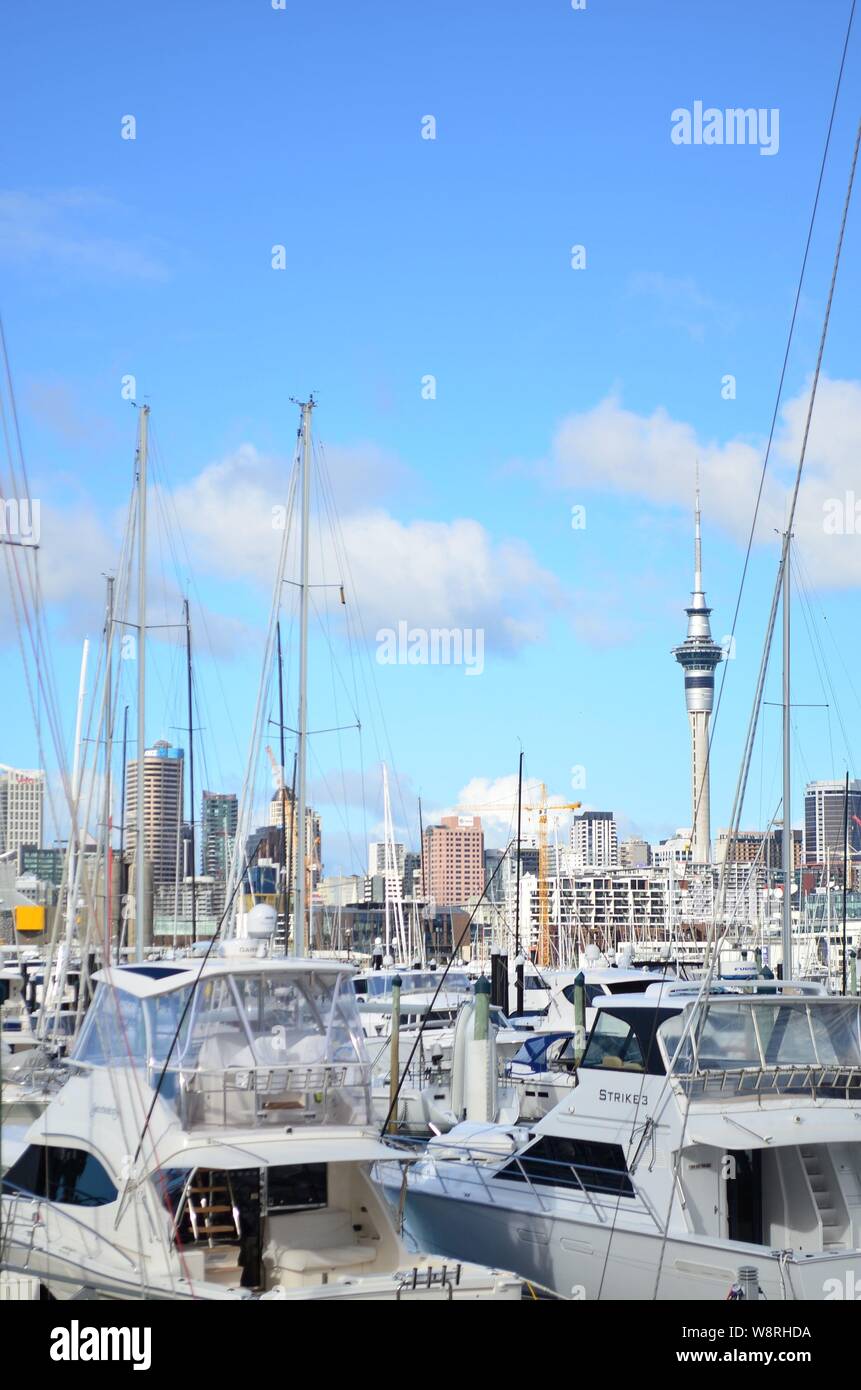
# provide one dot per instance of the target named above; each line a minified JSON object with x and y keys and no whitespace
{"x":635,"y":853}
{"x":163,"y":811}
{"x":412,"y":875}
{"x":698,"y":656}
{"x":493,"y":874}
{"x":46,"y":865}
{"x":218,"y":822}
{"x":281,"y":809}
{"x":675,"y":850}
{"x":594,"y":840}
{"x":386,"y":866}
{"x":764,"y":847}
{"x":22,"y":805}
{"x":381,"y":860}
{"x":454,"y":860}
{"x":824,"y":813}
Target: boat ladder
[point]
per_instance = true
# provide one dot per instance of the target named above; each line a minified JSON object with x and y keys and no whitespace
{"x":211,"y":1208}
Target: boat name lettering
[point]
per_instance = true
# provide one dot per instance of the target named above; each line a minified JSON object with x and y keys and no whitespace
{"x":627,"y":1097}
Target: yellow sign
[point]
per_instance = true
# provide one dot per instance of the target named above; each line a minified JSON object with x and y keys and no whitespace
{"x":30,"y":917}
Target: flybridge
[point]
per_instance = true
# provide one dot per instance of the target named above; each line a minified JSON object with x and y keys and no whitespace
{"x":767,"y":1044}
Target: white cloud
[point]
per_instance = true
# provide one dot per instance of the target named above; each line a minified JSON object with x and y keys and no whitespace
{"x":65,"y":230}
{"x":77,"y":549}
{"x":652,"y":457}
{"x":494,"y":799}
{"x":428,"y":573}
{"x":682,"y":303}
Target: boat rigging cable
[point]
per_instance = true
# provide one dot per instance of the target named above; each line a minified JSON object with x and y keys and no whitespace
{"x":715,"y":952}
{"x":455,"y":947}
{"x":215,"y":935}
{"x":784,"y":557}
{"x":778,"y":398}
{"x":784,"y":560}
{"x":664,"y":1090}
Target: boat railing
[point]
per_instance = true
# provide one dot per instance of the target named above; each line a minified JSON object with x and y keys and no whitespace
{"x":604,"y":1190}
{"x":832,"y":1083}
{"x":317,"y":1093}
{"x":31,"y":1217}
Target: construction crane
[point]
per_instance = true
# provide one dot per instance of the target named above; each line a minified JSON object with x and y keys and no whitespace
{"x":277,"y":770}
{"x":543,"y":897}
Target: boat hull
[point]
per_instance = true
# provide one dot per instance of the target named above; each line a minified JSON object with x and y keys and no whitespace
{"x":579,"y":1259}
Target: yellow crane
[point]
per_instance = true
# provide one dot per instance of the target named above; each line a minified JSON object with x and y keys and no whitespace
{"x":543,"y":897}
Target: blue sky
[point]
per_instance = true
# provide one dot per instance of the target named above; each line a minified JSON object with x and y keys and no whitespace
{"x":452,"y":257}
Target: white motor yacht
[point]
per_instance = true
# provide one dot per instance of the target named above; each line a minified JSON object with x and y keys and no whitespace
{"x":214,"y":1139}
{"x":705,"y":1132}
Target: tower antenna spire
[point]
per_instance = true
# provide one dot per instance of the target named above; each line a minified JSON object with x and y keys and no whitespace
{"x":698,"y":656}
{"x":698,"y":540}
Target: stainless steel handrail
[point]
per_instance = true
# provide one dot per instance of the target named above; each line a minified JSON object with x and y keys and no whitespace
{"x":477,"y":1160}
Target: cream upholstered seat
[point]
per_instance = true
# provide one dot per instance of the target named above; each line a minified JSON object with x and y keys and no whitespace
{"x":314,"y":1241}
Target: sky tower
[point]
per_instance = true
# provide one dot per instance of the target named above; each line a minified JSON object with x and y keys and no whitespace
{"x":698,"y":656}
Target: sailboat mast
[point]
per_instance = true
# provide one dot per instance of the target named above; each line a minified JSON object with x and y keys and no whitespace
{"x":140,"y":843}
{"x":108,"y":786}
{"x":517,"y":873}
{"x":843,"y":953}
{"x":299,"y":935}
{"x":191,"y":771}
{"x":282,"y":794}
{"x":787,"y":732}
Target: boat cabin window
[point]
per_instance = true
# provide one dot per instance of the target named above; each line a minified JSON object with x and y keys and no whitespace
{"x":561,"y":1162}
{"x":436,"y":1018}
{"x":626,"y":1040}
{"x":113,"y":1031}
{"x":414,"y":980}
{"x":633,"y":986}
{"x":71,"y":1177}
{"x":592,"y":992}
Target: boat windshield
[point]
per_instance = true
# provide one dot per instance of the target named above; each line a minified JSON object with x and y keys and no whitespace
{"x":369,"y":986}
{"x":278,"y":1037}
{"x":764,"y":1033}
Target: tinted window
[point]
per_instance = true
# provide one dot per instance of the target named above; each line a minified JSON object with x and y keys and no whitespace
{"x":625,"y":1039}
{"x":613,"y":1043}
{"x":72,"y":1177}
{"x":557,"y":1162}
{"x":299,"y":1185}
{"x":593,"y":992}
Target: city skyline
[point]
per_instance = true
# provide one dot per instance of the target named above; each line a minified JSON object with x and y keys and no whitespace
{"x":511,"y":429}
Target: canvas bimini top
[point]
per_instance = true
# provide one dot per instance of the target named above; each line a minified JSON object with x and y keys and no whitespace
{"x":235,"y":1039}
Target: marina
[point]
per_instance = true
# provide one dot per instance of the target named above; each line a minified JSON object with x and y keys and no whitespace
{"x":327,"y":973}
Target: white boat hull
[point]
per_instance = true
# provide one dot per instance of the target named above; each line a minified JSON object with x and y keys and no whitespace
{"x":579,"y":1259}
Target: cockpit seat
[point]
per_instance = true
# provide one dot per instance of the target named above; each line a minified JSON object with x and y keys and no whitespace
{"x":313,"y":1243}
